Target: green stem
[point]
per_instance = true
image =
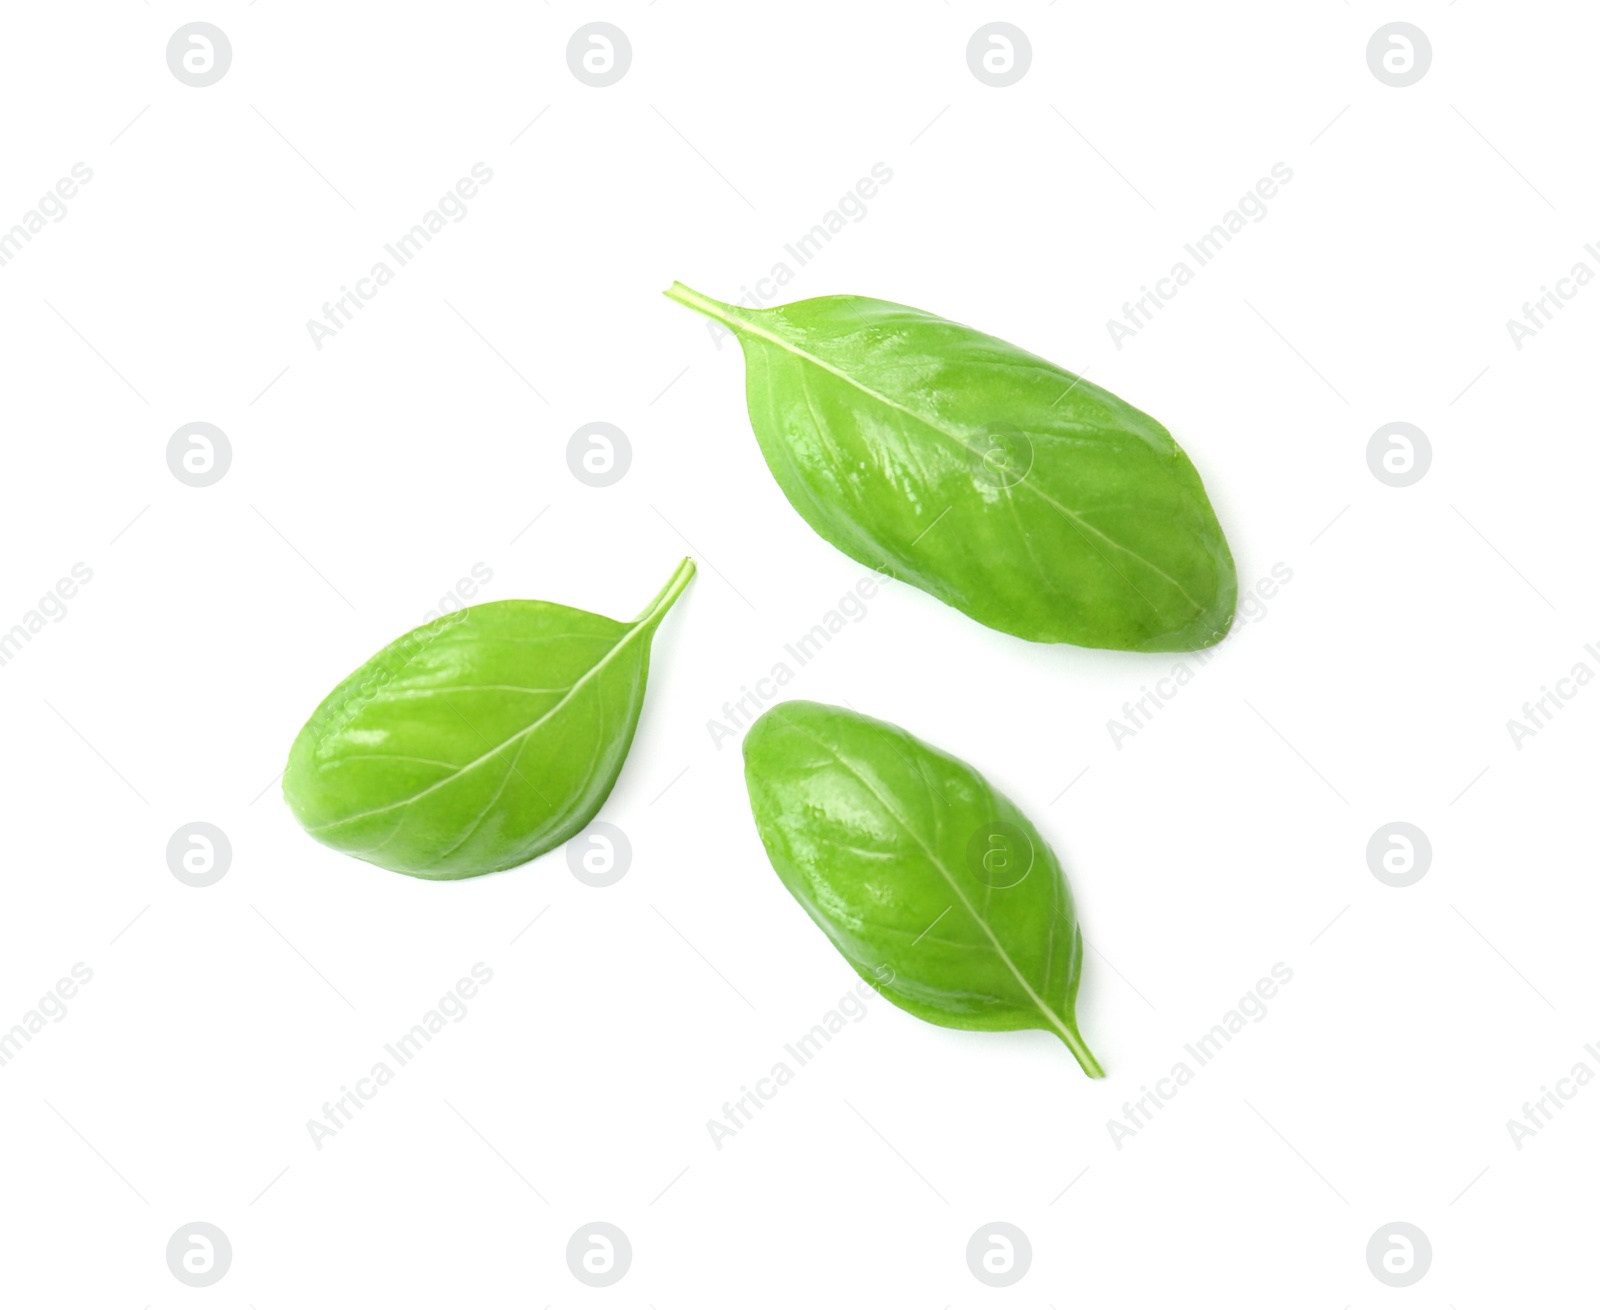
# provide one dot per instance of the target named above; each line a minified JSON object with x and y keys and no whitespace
{"x":663,"y":599}
{"x":729,"y":314}
{"x":1082,"y":1053}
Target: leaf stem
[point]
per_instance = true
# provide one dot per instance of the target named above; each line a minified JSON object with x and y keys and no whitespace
{"x":654,"y":611}
{"x":723,"y":313}
{"x":1081,"y":1052}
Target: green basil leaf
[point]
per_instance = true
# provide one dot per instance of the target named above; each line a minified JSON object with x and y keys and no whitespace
{"x":1026,"y":497}
{"x":919,"y":871}
{"x":477,"y":741}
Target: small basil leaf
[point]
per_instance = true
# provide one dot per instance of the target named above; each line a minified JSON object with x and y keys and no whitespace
{"x":477,"y":741}
{"x":1026,"y":497}
{"x":918,"y":871}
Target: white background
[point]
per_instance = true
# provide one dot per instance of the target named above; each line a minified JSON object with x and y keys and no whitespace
{"x":1225,"y":837}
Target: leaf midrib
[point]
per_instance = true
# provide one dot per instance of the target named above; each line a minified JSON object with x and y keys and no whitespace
{"x":955,"y":887}
{"x":644,"y":622}
{"x":1066,"y":511}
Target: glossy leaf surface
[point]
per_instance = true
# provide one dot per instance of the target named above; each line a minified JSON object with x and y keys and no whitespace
{"x":477,"y":741}
{"x":918,"y":871}
{"x":1023,"y":495}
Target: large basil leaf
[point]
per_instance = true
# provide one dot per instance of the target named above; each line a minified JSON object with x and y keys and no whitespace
{"x":918,"y":870}
{"x":477,"y":741}
{"x":1026,"y":497}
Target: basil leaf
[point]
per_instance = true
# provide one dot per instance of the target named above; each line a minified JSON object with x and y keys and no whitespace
{"x":918,"y":870}
{"x":1026,"y":497}
{"x":477,"y":741}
